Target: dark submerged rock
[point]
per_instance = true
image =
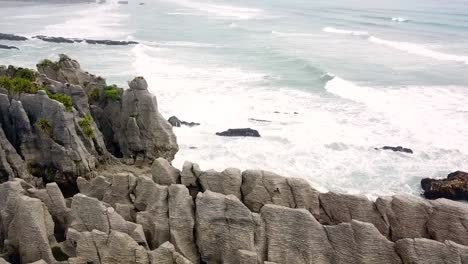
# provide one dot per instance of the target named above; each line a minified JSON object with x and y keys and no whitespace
{"x":12,"y":37}
{"x":455,"y":187}
{"x":239,"y":132}
{"x":110,"y":42}
{"x":8,"y":47}
{"x":259,"y":120}
{"x":176,"y":122}
{"x":89,"y":41}
{"x":54,"y":39}
{"x":398,"y":149}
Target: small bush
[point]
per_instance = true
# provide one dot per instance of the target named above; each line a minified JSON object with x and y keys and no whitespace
{"x":112,"y":92}
{"x":19,"y":85}
{"x":24,"y":73}
{"x":94,"y":94}
{"x":86,"y":125}
{"x":63,"y":98}
{"x":45,"y":126}
{"x":5,"y":82}
{"x":47,"y":63}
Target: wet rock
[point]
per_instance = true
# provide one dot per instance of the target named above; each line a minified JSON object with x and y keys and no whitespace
{"x":8,"y":47}
{"x":54,"y":39}
{"x":12,"y":37}
{"x":176,"y":122}
{"x":239,"y":132}
{"x":89,"y":41}
{"x":454,"y":187}
{"x":398,"y":149}
{"x":259,"y":120}
{"x":110,"y":42}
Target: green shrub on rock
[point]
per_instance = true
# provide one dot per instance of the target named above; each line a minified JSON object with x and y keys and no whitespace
{"x":94,"y":94}
{"x":19,"y":85}
{"x":62,"y":98}
{"x":86,"y":125}
{"x":45,"y":126}
{"x":112,"y":92}
{"x":47,"y":63}
{"x":25,"y":73}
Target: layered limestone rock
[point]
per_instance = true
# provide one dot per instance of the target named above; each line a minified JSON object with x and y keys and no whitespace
{"x":66,"y":123}
{"x":127,"y":218}
{"x":60,"y":203}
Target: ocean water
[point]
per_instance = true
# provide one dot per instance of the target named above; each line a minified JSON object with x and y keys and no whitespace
{"x":335,"y":80}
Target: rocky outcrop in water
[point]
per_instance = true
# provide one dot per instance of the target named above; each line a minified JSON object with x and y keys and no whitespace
{"x":455,"y":186}
{"x":89,"y":41}
{"x":176,"y":122}
{"x":398,"y":149}
{"x":12,"y":37}
{"x":239,"y":132}
{"x":8,"y":47}
{"x":155,"y":213}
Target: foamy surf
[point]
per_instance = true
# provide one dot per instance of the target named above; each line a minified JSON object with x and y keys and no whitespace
{"x":400,"y":19}
{"x":219,"y":10}
{"x":414,"y":108}
{"x":411,"y":48}
{"x":97,"y":21}
{"x":346,"y":32}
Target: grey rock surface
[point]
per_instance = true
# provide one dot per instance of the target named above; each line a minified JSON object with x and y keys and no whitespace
{"x":223,"y":227}
{"x":227,"y":182}
{"x":163,"y":173}
{"x":342,"y":208}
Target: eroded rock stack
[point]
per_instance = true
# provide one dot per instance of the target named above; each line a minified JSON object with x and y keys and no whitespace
{"x":155,"y":213}
{"x":62,"y":123}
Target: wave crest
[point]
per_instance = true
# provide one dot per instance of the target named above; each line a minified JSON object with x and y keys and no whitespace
{"x":411,"y":48}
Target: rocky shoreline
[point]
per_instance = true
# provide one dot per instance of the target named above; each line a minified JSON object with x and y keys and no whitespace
{"x":62,"y":40}
{"x":86,"y":177}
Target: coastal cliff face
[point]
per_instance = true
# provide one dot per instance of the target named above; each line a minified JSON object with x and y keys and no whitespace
{"x":86,"y":178}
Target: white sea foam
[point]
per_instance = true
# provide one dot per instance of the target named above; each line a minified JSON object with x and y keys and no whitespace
{"x":411,"y":48}
{"x":227,"y":11}
{"x":329,"y":142}
{"x":181,"y":44}
{"x":427,"y":111}
{"x":96,"y":21}
{"x":400,"y":19}
{"x":346,"y":32}
{"x":293,"y":34}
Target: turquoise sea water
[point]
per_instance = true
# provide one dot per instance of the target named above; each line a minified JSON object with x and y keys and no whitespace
{"x":359,"y":75}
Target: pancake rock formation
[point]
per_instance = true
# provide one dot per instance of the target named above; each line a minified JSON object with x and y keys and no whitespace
{"x":85,"y":177}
